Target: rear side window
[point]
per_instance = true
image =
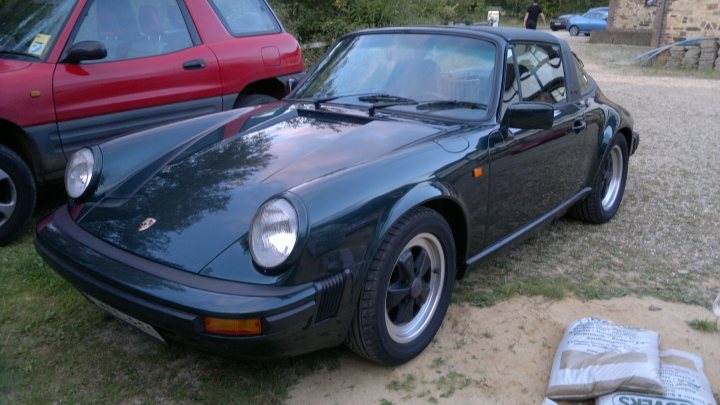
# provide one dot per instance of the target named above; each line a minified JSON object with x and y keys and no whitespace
{"x":583,"y":78}
{"x":246,"y":17}
{"x":542,"y":77}
{"x":132,"y":29}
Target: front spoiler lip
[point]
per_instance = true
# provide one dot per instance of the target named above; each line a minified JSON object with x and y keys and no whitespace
{"x":170,"y":299}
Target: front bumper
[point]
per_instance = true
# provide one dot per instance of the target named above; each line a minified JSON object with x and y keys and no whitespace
{"x":295,"y":319}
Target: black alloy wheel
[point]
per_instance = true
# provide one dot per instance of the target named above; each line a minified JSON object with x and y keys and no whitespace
{"x":407,"y":289}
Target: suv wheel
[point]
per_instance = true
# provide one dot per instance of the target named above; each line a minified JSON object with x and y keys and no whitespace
{"x":17,"y":195}
{"x":250,"y":100}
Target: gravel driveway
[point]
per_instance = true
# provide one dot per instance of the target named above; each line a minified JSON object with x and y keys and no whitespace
{"x":665,"y":240}
{"x":671,"y":238}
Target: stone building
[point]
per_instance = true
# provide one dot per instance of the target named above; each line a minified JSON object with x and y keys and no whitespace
{"x":660,"y":22}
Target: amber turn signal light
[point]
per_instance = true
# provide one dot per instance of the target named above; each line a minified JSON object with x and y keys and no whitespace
{"x":233,"y":327}
{"x":477,"y":172}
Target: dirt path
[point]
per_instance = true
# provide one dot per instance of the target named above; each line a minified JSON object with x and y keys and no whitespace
{"x":502,"y":354}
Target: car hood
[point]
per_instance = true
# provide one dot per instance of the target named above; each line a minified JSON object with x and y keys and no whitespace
{"x":203,"y":196}
{"x":7,"y":66}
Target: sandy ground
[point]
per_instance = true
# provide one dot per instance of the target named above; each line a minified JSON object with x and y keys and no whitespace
{"x":502,"y":354}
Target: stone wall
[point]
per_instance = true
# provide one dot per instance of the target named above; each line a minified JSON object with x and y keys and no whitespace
{"x":685,"y":19}
{"x":630,"y":15}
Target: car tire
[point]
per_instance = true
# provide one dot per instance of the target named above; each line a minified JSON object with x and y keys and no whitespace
{"x":404,"y":300}
{"x":574,"y":30}
{"x":18,"y":195}
{"x":251,"y":100}
{"x":553,"y":28}
{"x":608,"y":188}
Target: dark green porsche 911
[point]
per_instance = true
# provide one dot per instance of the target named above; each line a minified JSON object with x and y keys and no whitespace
{"x":346,"y":212}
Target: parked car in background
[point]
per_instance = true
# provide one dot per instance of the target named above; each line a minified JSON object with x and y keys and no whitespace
{"x":345,"y":212}
{"x":560,"y":23}
{"x":76,"y":72}
{"x":594,"y":20}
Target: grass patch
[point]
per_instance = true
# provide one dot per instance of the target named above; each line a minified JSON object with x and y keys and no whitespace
{"x":407,"y":384}
{"x":549,"y":287}
{"x":703,"y":325}
{"x":452,"y":382}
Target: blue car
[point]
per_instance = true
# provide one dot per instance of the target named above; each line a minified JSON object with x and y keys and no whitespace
{"x":593,"y":20}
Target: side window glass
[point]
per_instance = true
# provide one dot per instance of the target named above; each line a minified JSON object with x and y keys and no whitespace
{"x":511,"y":93}
{"x":246,"y":17}
{"x":542,"y":77}
{"x":583,"y":79}
{"x":134,"y":28}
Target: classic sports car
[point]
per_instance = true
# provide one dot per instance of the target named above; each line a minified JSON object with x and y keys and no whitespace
{"x":346,"y":212}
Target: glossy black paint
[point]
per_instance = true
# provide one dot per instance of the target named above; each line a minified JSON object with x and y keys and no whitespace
{"x":348,"y":174}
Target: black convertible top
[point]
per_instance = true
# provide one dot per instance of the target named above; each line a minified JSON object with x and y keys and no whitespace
{"x":507,"y":34}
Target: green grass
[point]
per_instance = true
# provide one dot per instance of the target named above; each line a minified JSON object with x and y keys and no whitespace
{"x":703,"y":325}
{"x":407,"y":384}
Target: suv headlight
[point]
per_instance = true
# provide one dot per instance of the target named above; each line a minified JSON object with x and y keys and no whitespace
{"x":80,"y":173}
{"x":273,"y":233}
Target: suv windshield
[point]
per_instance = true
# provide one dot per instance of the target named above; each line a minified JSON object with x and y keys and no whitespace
{"x":443,"y":75}
{"x":28,"y":28}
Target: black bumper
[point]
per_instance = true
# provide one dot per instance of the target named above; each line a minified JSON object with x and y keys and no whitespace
{"x":635,"y":142}
{"x":295,"y":319}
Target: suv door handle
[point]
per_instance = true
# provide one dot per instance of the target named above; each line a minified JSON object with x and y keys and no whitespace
{"x":579,"y":126}
{"x":195,"y":64}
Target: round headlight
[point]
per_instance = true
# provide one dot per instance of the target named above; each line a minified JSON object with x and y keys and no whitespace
{"x":273,"y":233}
{"x":79,"y":172}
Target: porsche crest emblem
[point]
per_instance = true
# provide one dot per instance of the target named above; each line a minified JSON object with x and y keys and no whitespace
{"x":146,"y":224}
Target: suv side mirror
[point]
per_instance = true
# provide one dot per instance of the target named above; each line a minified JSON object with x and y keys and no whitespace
{"x":529,"y":116}
{"x":85,"y":50}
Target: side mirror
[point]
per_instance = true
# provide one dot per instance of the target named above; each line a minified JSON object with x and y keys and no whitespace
{"x":529,"y":116}
{"x":85,"y":50}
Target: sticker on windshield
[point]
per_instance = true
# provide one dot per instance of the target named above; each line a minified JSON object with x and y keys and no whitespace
{"x":38,"y":45}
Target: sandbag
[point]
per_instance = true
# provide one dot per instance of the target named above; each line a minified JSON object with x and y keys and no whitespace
{"x":597,"y":357}
{"x":683,"y":378}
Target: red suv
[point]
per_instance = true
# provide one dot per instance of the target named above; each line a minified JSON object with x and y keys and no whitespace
{"x":76,"y":72}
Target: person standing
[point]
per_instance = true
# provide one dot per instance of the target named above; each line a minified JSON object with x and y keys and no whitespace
{"x":531,"y":16}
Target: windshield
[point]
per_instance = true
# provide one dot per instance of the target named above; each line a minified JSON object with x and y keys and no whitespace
{"x":28,"y":28}
{"x":435,"y":74}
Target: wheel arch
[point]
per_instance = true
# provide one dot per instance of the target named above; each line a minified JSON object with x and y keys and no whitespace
{"x":627,"y":133}
{"x":271,"y":87}
{"x":439,"y":198}
{"x":14,"y":137}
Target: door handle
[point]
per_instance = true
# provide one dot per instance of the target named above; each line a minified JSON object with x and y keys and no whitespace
{"x":579,"y":126}
{"x":195,"y":64}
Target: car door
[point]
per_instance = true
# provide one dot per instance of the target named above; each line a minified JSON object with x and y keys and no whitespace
{"x":596,"y":22}
{"x":156,"y":71}
{"x":534,"y":171}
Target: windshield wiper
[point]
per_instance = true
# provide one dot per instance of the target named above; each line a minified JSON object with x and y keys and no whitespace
{"x":9,"y":52}
{"x":384,"y":100}
{"x":377,"y":100}
{"x":451,"y":104}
